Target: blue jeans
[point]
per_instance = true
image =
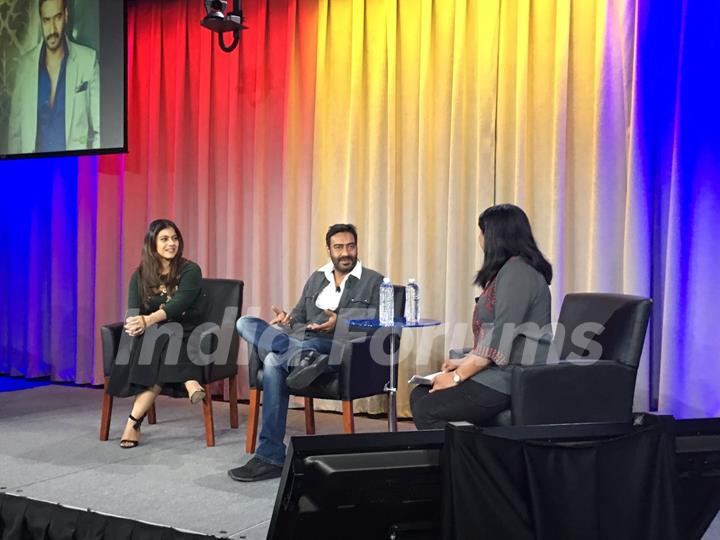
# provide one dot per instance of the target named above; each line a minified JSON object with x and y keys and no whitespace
{"x":276,"y":347}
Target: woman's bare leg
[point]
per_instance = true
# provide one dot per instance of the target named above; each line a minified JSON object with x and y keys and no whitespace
{"x":141,"y":405}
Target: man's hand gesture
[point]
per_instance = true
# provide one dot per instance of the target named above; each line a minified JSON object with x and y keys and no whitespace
{"x":281,"y":317}
{"x":327,"y":326}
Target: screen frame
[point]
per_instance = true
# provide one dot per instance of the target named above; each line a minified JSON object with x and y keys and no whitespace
{"x":94,"y":151}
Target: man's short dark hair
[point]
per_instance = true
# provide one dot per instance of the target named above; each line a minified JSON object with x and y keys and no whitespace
{"x":41,"y":2}
{"x":340,"y":228}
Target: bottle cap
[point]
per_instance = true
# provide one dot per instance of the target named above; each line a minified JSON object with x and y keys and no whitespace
{"x":386,"y":280}
{"x":411,"y":280}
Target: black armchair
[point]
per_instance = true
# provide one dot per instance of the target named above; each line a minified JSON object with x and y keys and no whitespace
{"x":359,"y":375}
{"x":588,"y":383}
{"x":224,"y":303}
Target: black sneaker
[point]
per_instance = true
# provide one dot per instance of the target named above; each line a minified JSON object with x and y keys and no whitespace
{"x":254,"y":470}
{"x":311,"y":366}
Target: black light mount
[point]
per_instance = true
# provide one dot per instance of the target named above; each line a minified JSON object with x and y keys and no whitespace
{"x":220,"y":21}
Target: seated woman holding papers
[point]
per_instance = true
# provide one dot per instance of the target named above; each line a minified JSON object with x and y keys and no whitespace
{"x":511,"y":325}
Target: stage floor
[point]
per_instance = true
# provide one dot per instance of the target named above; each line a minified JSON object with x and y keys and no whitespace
{"x":49,"y":450}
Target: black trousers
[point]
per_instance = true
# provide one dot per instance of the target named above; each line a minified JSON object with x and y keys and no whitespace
{"x":469,"y":401}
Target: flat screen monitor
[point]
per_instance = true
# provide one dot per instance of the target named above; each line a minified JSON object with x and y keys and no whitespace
{"x":370,"y":485}
{"x":62,"y":77}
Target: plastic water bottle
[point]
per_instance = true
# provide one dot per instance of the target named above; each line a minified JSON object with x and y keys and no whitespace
{"x":387,"y":303}
{"x":412,"y":302}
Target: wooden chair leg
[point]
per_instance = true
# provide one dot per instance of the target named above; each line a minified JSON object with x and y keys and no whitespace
{"x":348,"y":418}
{"x":252,"y":421}
{"x":309,"y":416}
{"x":208,"y":415}
{"x":151,"y":415}
{"x":106,"y":414}
{"x":234,"y":419}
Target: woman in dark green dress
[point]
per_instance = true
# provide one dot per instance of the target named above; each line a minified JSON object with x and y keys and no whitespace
{"x":164,"y":307}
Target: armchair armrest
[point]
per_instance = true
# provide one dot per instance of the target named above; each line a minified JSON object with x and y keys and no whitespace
{"x":254,"y":367}
{"x":366,"y":366}
{"x":225,"y":355}
{"x":110,"y":335}
{"x":572,"y":392}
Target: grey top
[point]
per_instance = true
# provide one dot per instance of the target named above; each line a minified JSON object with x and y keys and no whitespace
{"x":360,"y":300}
{"x":511,"y":323}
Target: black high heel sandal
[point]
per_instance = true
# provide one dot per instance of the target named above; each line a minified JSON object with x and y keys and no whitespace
{"x":127,"y":443}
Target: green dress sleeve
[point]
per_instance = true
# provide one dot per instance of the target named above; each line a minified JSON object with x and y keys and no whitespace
{"x":133,"y":293}
{"x":187,"y":292}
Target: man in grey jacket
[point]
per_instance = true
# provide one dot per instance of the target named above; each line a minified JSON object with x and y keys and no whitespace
{"x":341,"y":289}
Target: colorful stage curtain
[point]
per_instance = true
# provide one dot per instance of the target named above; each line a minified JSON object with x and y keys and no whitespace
{"x":406,"y":118}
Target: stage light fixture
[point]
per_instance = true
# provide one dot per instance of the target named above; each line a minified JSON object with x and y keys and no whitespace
{"x":220,"y":21}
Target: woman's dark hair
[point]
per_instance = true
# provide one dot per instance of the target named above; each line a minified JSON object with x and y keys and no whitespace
{"x":150,"y":277}
{"x":508,"y":234}
{"x":340,"y":228}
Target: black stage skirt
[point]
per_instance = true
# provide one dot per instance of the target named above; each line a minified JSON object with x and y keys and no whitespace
{"x":157,"y":357}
